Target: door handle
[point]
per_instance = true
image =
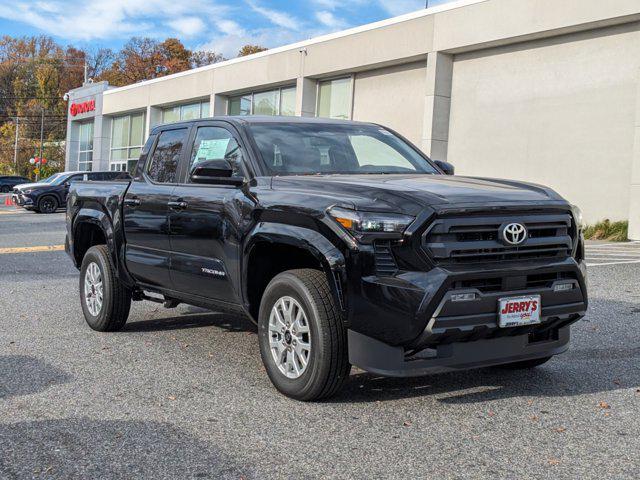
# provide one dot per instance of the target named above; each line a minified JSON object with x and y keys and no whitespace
{"x":179,"y":205}
{"x":132,"y":202}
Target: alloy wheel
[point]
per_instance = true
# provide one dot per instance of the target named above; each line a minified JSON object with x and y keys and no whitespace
{"x":93,"y":293}
{"x":48,"y":205}
{"x":289,"y":337}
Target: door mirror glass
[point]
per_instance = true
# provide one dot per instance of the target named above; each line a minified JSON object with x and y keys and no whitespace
{"x":446,"y":167}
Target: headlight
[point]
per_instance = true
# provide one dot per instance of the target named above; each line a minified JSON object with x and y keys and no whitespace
{"x":577,"y":216}
{"x":29,"y":190}
{"x":370,"y":222}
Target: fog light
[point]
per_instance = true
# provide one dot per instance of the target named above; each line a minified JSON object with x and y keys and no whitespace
{"x":563,"y":287}
{"x":463,"y":297}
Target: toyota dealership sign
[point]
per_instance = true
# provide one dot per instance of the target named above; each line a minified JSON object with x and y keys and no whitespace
{"x":84,"y":107}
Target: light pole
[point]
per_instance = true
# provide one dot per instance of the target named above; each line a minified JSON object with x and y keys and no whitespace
{"x":15,"y":147}
{"x":41,"y":140}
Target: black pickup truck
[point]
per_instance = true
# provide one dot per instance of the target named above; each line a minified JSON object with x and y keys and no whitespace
{"x":341,"y":240}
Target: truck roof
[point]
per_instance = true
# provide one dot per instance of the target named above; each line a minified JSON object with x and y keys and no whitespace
{"x":255,"y":119}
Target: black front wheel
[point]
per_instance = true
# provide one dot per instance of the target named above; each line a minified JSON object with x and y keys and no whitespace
{"x":105,"y":300}
{"x":47,"y":204}
{"x":303,"y":340}
{"x":4,"y":189}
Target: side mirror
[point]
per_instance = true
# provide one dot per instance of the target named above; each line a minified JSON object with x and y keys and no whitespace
{"x":446,"y":167}
{"x":215,"y":172}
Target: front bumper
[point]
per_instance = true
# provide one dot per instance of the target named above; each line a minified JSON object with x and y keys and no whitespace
{"x":22,"y":200}
{"x":412,"y":312}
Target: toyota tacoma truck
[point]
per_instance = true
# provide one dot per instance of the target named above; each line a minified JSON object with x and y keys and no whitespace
{"x":342,"y":241}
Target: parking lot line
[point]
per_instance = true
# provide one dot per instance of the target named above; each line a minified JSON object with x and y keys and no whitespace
{"x":604,"y":254}
{"x":612,"y":263}
{"x":41,"y":248}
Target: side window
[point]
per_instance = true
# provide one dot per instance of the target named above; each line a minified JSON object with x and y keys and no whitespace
{"x":96,"y":177}
{"x":75,"y":178}
{"x":163,"y":165}
{"x":216,"y":143}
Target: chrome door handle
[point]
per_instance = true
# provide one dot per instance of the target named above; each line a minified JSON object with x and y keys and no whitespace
{"x":180,"y":205}
{"x":132,"y":202}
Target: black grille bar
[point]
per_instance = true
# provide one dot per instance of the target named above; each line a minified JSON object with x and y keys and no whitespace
{"x":476,"y":239}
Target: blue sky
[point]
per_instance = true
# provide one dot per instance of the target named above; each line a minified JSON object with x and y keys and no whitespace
{"x":220,"y":25}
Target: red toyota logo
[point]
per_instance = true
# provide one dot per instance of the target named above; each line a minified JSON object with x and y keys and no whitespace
{"x":84,"y":107}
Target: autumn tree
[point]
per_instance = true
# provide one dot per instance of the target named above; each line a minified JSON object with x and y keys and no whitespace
{"x":250,"y":50}
{"x":34,"y":74}
{"x":202,"y":58}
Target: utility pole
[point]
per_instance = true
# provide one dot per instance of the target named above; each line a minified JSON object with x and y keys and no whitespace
{"x":15,"y":147}
{"x":86,"y":71}
{"x":41,"y":140}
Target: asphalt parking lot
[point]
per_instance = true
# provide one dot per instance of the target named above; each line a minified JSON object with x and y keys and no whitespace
{"x":182,"y":393}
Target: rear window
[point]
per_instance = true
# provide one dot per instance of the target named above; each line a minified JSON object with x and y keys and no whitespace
{"x":163,"y":165}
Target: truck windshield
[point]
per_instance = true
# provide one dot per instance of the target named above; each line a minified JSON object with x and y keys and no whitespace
{"x":313,"y":148}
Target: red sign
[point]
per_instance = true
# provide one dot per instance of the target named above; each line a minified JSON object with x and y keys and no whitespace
{"x":84,"y":107}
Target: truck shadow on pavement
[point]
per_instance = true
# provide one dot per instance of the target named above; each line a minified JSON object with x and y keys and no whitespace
{"x":26,"y":375}
{"x":86,"y":448}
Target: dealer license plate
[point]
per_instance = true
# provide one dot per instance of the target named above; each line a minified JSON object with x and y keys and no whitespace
{"x":518,"y":311}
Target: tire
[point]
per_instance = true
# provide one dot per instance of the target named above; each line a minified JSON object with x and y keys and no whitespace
{"x":47,"y":204}
{"x":4,"y":189}
{"x":112,"y":314}
{"x":327,"y":365}
{"x":526,"y":364}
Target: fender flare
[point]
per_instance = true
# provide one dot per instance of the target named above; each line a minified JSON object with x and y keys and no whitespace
{"x":327,"y":254}
{"x":103,"y":221}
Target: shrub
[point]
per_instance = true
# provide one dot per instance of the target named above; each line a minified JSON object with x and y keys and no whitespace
{"x":607,"y":230}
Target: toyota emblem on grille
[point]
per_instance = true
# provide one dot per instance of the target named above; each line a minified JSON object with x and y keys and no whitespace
{"x":514,"y":234}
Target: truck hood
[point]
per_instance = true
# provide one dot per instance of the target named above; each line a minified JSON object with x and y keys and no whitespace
{"x":406,"y":192}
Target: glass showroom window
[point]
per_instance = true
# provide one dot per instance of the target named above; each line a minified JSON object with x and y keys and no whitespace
{"x":191,"y":111}
{"x":127,"y":138}
{"x":281,"y":101}
{"x":334,"y":98}
{"x":85,"y":146}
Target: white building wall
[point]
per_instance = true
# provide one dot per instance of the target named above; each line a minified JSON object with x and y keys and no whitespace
{"x":559,"y":112}
{"x":390,"y":96}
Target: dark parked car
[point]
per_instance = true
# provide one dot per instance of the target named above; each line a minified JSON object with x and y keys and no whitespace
{"x":7,"y":182}
{"x":50,"y":194}
{"x":342,"y":241}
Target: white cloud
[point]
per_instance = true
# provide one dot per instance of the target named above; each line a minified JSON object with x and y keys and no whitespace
{"x":329,"y":20}
{"x":399,"y":7}
{"x":187,"y":26}
{"x":276,"y":17}
{"x":329,"y":4}
{"x":106,"y":19}
{"x":230,"y":27}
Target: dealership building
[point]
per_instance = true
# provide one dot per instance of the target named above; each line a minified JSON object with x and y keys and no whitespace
{"x":535,"y":90}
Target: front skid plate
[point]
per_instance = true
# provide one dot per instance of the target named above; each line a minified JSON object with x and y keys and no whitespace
{"x":377,"y":357}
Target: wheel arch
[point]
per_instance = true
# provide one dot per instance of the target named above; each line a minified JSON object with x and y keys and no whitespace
{"x":92,"y":226}
{"x":273,"y":248}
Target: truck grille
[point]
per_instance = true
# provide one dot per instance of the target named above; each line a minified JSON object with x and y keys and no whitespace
{"x":476,"y":239}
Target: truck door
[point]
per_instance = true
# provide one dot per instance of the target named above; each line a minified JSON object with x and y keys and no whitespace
{"x":205,"y":220}
{"x":146,"y":210}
